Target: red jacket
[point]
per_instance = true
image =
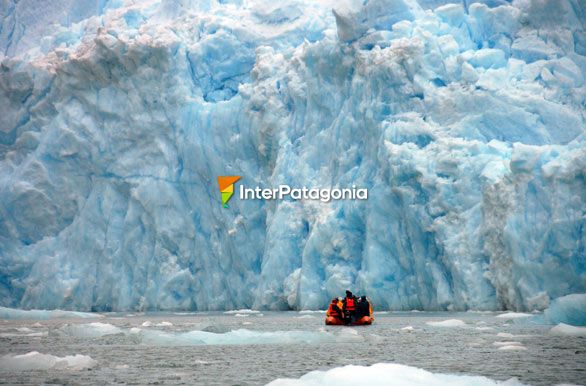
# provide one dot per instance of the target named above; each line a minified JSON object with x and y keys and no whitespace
{"x":350,"y":304}
{"x":333,"y":310}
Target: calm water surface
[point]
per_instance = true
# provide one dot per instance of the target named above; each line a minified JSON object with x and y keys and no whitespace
{"x":128,"y":358}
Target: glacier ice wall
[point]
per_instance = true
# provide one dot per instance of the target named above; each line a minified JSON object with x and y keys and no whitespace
{"x":465,"y":121}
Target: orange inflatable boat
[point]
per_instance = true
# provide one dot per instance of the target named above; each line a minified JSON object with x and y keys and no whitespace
{"x":364,"y":321}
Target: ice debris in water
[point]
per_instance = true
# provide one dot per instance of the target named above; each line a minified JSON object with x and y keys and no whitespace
{"x":513,"y":347}
{"x":242,"y":312}
{"x":514,"y":315}
{"x":243,"y":337}
{"x":507,"y":343}
{"x":466,"y":122}
{"x":11,"y":313}
{"x":447,"y":323}
{"x":566,"y":329}
{"x":148,"y":323}
{"x":570,"y":309}
{"x":384,"y":374}
{"x":90,"y":330}
{"x":37,"y":361}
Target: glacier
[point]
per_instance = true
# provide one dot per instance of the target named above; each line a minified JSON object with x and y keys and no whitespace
{"x":465,"y":120}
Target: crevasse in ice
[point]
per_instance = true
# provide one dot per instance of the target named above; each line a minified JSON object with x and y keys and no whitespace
{"x":465,"y":122}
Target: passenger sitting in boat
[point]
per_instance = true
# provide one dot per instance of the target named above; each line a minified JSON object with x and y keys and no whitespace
{"x":363,"y":307}
{"x":334,"y":310}
{"x":349,"y":308}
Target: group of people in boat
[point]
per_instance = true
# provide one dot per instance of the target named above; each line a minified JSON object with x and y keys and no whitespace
{"x":349,"y":310}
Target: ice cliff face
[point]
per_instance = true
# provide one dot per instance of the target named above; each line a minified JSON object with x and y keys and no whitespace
{"x":465,"y":121}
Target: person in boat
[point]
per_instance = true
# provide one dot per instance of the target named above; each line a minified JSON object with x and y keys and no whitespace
{"x":349,"y":307}
{"x":334,"y":310}
{"x":363,"y":308}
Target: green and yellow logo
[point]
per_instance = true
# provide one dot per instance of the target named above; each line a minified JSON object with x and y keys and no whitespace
{"x":226,"y":184}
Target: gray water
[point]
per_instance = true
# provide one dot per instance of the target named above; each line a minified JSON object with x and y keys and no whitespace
{"x":125,"y":359}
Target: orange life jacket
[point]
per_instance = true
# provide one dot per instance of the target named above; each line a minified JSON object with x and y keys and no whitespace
{"x":333,"y":311}
{"x":350,"y":304}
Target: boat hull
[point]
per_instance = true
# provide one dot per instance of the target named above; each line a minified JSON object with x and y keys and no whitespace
{"x":364,"y":321}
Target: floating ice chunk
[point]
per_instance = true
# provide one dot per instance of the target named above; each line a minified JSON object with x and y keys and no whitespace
{"x":246,"y":323}
{"x":32,"y":334}
{"x":148,"y":323}
{"x":566,"y":329}
{"x":12,"y":313}
{"x":244,"y":336}
{"x":244,"y":311}
{"x":447,"y":323}
{"x":305,"y":317}
{"x":37,"y":361}
{"x":505,"y":335}
{"x":570,"y":309}
{"x":408,"y":329}
{"x":510,"y":343}
{"x":513,"y":348}
{"x":381,"y":373}
{"x":312,"y":312}
{"x":90,"y":330}
{"x":514,"y":315}
{"x":484,"y":328}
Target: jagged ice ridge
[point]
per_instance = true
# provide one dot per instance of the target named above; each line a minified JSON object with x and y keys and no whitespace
{"x":465,"y":121}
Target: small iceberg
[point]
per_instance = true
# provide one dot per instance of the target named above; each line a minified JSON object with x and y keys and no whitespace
{"x":37,"y":361}
{"x":148,"y":323}
{"x":241,"y":312}
{"x":514,"y":315}
{"x":381,"y":373}
{"x":566,"y":329}
{"x":242,"y":337}
{"x":570,"y":309}
{"x":447,"y":323}
{"x":13,"y":313}
{"x":90,"y":330}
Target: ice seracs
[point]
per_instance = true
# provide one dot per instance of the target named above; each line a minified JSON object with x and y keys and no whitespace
{"x":464,"y":121}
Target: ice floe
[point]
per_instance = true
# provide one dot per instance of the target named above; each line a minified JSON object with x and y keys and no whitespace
{"x":12,"y":313}
{"x":447,"y":323}
{"x":566,"y":329}
{"x":37,"y":361}
{"x":243,"y":337}
{"x":387,"y":374}
{"x":90,"y":330}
